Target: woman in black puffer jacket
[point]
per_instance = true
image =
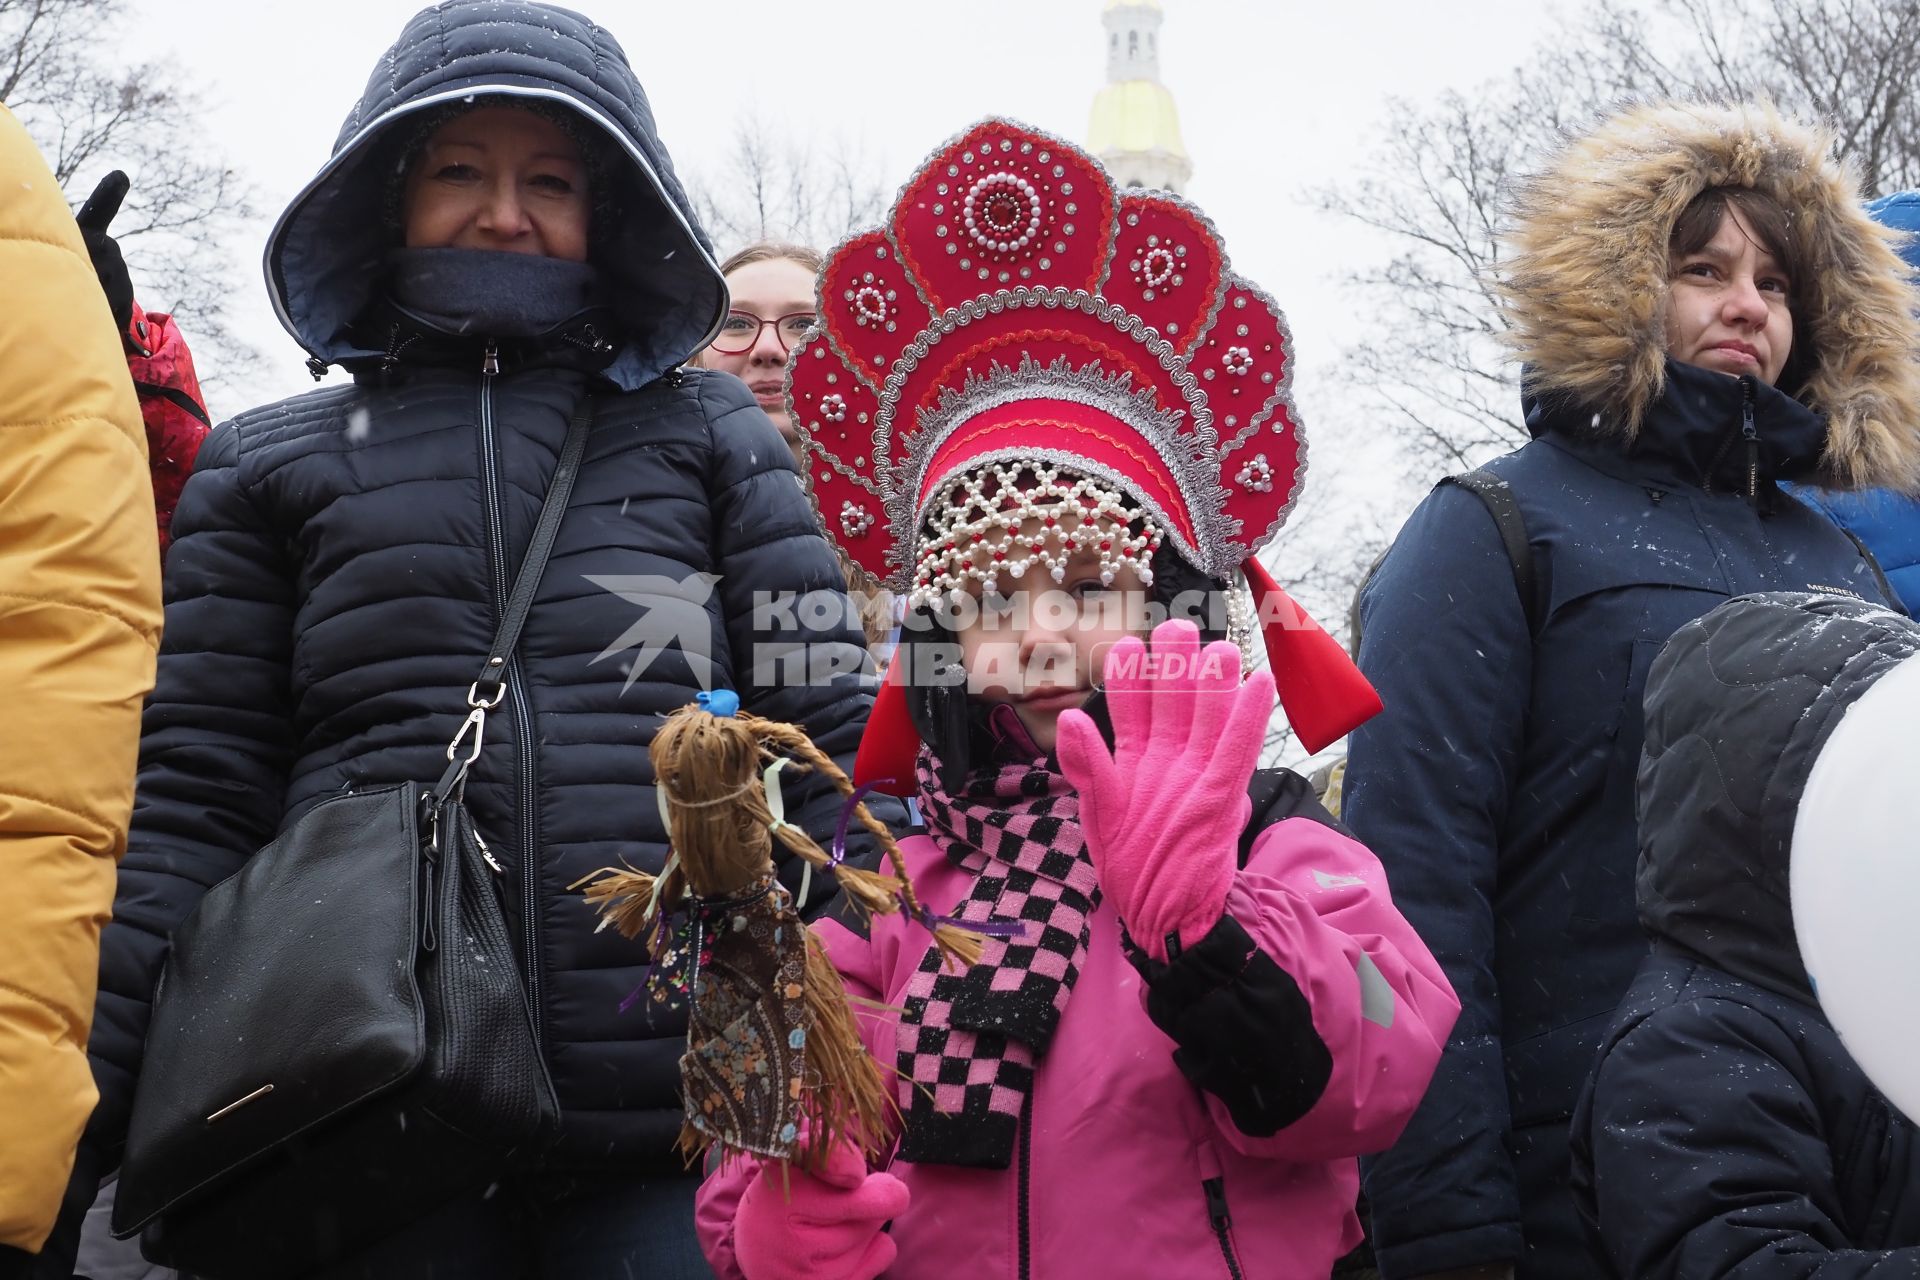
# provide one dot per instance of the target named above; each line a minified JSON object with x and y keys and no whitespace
{"x":498,"y":235}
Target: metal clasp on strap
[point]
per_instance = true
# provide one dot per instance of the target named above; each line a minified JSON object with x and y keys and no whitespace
{"x":476,"y":721}
{"x":476,"y":724}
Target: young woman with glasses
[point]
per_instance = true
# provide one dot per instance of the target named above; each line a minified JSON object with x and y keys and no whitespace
{"x":770,"y":308}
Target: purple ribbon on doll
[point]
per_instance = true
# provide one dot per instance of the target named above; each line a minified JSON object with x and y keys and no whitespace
{"x":927,"y":919}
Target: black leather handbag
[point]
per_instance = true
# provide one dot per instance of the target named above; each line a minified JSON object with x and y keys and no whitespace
{"x":340,"y":1041}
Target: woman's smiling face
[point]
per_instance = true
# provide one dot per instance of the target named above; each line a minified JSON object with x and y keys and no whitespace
{"x":499,"y":178}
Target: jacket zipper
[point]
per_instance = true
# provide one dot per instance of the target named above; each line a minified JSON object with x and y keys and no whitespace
{"x":1748,"y":433}
{"x":528,"y":779}
{"x":1026,"y":1147}
{"x":1751,"y":434}
{"x":1216,"y":1189}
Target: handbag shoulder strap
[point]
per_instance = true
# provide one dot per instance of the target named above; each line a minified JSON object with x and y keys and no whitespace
{"x":487,"y":692}
{"x":493,"y":676}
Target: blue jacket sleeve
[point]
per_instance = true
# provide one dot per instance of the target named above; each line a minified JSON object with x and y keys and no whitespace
{"x":1427,"y":788}
{"x":215,"y":748}
{"x":796,"y":639}
{"x":1708,"y":1157}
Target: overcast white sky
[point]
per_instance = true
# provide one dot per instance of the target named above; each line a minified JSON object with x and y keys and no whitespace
{"x":1275,"y":98}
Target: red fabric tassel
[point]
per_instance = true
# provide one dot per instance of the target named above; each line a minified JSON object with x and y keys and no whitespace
{"x":1321,"y":690}
{"x":890,"y":744}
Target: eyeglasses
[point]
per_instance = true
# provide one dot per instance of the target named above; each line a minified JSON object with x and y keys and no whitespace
{"x":741,"y":329}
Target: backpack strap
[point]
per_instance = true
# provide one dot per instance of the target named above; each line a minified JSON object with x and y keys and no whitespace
{"x":1497,"y":496}
{"x":1873,"y":563}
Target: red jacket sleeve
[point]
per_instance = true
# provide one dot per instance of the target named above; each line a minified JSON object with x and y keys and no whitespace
{"x":170,"y":403}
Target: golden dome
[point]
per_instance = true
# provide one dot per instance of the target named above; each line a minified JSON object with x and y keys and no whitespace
{"x":1136,"y":116}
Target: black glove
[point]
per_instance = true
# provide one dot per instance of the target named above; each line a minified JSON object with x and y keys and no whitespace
{"x":93,"y":218}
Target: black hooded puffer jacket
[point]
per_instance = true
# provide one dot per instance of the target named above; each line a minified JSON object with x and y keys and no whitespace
{"x":340,"y":559}
{"x":1727,"y":1134}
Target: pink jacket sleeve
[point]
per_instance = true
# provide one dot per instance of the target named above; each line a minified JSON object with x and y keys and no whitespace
{"x":1312,"y":1015}
{"x":719,"y":1196}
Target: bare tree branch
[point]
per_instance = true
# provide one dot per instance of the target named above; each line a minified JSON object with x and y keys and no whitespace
{"x":90,"y":116}
{"x":776,"y":188}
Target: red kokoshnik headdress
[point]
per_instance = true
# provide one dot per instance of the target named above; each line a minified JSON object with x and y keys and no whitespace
{"x":1017,"y":309}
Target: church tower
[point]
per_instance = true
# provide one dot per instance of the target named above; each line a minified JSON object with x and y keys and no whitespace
{"x":1135,"y":131}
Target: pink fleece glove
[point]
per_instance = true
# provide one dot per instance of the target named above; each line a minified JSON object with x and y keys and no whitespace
{"x":1163,"y":813}
{"x":824,"y":1226}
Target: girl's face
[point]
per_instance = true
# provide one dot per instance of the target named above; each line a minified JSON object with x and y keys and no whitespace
{"x":771,"y":306}
{"x":499,"y":178}
{"x":1041,"y":645}
{"x":1727,"y":308}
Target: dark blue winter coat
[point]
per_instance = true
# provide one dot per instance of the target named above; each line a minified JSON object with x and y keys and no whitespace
{"x":1497,"y":787}
{"x":340,"y":559}
{"x":1888,"y":522}
{"x":1727,"y":1134}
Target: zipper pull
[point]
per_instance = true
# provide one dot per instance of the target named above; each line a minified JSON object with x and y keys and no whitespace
{"x":490,"y":363}
{"x":429,"y":938}
{"x":1751,"y":434}
{"x":1216,"y":1189}
{"x":487,"y":854}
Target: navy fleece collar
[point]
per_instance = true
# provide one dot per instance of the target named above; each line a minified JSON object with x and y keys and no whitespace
{"x":1692,"y":435}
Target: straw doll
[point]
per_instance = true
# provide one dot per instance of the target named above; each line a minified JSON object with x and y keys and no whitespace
{"x":774,"y":1064}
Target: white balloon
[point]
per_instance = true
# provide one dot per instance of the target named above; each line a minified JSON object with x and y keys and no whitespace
{"x":1855,"y":881}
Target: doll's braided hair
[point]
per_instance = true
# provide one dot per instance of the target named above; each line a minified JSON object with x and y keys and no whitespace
{"x":723,"y":829}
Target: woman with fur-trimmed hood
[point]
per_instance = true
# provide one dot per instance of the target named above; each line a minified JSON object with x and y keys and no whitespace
{"x":1703,"y":311}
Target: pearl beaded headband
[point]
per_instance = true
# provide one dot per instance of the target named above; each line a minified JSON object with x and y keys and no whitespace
{"x":1002,"y":519}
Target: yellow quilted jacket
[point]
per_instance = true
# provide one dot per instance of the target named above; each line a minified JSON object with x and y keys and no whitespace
{"x":79,"y":626}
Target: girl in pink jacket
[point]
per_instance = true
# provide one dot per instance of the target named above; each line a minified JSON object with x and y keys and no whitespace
{"x":1048,"y":414}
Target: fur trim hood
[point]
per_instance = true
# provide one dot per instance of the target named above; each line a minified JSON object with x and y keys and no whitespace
{"x":1585,"y":285}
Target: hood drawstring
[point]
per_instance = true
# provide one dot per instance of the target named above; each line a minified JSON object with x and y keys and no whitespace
{"x":395,"y":345}
{"x":588,"y":338}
